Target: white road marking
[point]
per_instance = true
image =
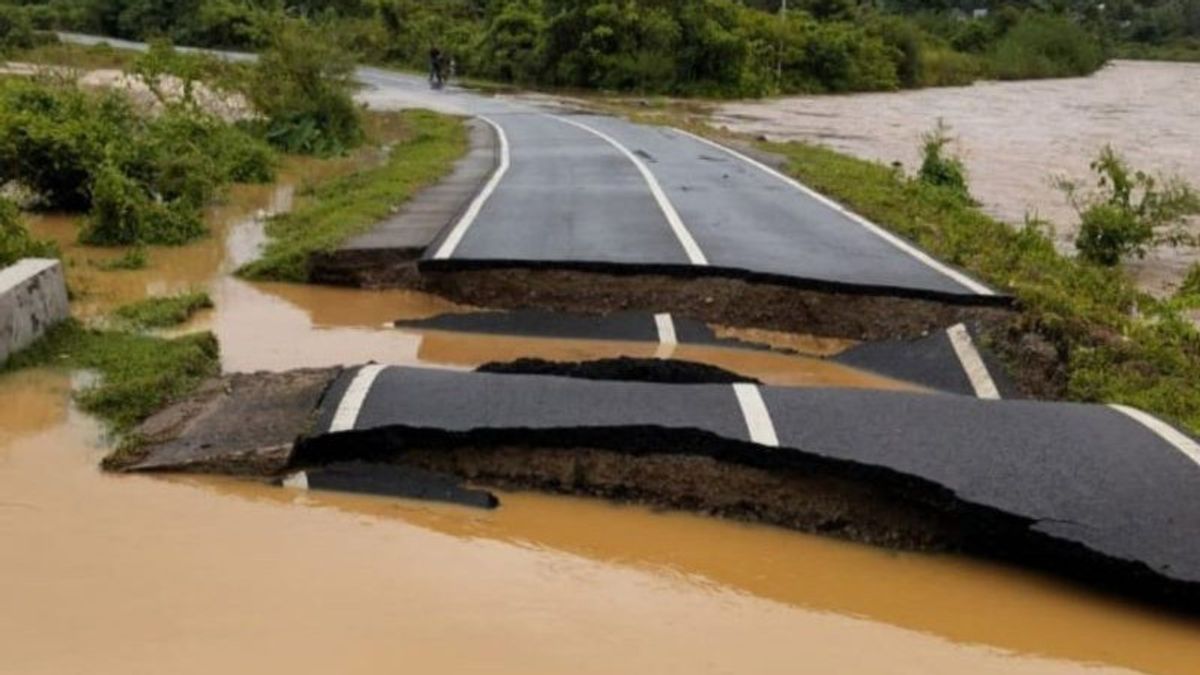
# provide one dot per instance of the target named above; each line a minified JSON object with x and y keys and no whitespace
{"x":296,"y":481}
{"x":894,"y":240}
{"x":667,"y":341}
{"x":972,"y":362}
{"x":758,"y":418}
{"x":352,"y":401}
{"x":460,"y":228}
{"x":1168,"y":433}
{"x":690,"y":247}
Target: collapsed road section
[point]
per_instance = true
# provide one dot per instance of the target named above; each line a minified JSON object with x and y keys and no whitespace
{"x":1098,"y":494}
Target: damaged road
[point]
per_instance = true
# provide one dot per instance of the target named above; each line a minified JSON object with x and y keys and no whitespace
{"x":1097,"y":494}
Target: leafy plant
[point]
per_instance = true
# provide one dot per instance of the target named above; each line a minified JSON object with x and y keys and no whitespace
{"x":1129,"y":210}
{"x":938,"y":168}
{"x":15,"y":241}
{"x":302,"y":85}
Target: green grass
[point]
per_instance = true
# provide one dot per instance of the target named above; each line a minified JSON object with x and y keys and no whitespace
{"x":1119,"y":345}
{"x":138,"y":374}
{"x":135,"y":258}
{"x":163,"y":312}
{"x":428,"y":145}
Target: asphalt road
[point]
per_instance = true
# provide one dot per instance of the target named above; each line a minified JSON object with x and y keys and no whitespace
{"x":576,"y":189}
{"x":1092,"y":475}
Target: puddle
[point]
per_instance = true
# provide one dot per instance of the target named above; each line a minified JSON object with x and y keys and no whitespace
{"x":133,"y":574}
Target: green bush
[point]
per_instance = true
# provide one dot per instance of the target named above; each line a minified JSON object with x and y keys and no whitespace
{"x":16,"y":29}
{"x":143,"y":178}
{"x":302,"y":84}
{"x":51,"y":138}
{"x":1128,"y":211}
{"x":1045,"y":46}
{"x":939,"y":169}
{"x":15,"y":242}
{"x":124,"y":213}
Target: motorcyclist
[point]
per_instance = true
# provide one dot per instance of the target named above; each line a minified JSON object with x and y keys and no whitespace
{"x":437,"y":67}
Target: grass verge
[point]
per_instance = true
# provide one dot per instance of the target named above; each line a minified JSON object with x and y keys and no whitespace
{"x":1116,"y":344}
{"x":423,"y":148}
{"x":138,"y":374}
{"x":164,"y":312}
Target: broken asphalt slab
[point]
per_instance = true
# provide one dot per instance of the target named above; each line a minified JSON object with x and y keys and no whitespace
{"x":934,"y":362}
{"x":1092,"y":492}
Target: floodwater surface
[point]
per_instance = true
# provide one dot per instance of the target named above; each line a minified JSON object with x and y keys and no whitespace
{"x":124,"y":575}
{"x":135,"y":574}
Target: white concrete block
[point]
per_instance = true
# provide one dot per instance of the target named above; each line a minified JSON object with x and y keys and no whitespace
{"x":33,"y":297}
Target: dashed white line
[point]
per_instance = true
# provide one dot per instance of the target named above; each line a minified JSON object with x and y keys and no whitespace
{"x":1168,"y":433}
{"x":690,"y":247}
{"x":972,"y":362}
{"x":889,"y":237}
{"x":758,"y":418}
{"x":667,"y":340}
{"x":296,"y":481}
{"x":352,"y":401}
{"x":454,"y":238}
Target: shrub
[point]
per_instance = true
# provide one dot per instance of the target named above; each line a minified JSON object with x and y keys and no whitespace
{"x":937,"y":168}
{"x":1045,"y":46}
{"x":15,"y":242}
{"x":1128,"y":211}
{"x":16,"y":29}
{"x":302,"y":84}
{"x":124,"y":213}
{"x":52,"y":137}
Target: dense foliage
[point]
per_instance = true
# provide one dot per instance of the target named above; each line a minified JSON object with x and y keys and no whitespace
{"x":143,"y":178}
{"x":1129,"y":210}
{"x":715,"y":47}
{"x":15,"y":242}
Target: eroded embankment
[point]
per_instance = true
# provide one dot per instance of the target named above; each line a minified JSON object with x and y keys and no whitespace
{"x":694,"y":471}
{"x":1036,"y":366}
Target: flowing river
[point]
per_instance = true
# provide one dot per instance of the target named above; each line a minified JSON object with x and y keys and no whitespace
{"x":124,"y":575}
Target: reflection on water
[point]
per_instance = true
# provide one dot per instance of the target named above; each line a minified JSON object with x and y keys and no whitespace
{"x":132,"y":574}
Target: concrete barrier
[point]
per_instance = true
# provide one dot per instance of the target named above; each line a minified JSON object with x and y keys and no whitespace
{"x":33,"y":297}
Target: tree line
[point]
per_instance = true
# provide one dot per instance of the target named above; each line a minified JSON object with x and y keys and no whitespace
{"x":692,"y":47}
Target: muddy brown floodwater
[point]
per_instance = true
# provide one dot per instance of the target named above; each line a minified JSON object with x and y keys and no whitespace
{"x":103,"y":574}
{"x":1014,"y":136}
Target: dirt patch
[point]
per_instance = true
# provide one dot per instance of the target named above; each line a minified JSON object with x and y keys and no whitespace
{"x":667,"y":371}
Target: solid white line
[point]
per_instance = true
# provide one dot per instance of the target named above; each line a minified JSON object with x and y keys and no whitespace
{"x":690,"y":247}
{"x":460,"y":228}
{"x":352,"y":401}
{"x":667,"y":341}
{"x":894,"y":240}
{"x":1168,"y":433}
{"x":758,"y":418}
{"x":296,"y":481}
{"x":972,"y":362}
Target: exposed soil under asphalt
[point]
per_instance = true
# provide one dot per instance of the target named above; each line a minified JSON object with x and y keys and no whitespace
{"x":1036,"y":366}
{"x":694,"y":471}
{"x":668,"y":371}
